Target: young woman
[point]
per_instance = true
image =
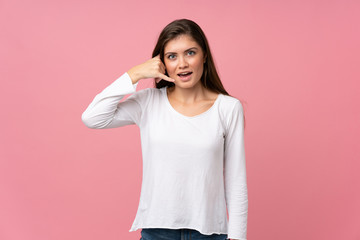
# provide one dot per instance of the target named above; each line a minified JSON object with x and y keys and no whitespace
{"x":192,"y":139}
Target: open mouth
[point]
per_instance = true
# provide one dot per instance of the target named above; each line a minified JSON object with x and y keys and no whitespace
{"x":184,"y":74}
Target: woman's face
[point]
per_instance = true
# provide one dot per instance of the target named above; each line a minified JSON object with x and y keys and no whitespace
{"x":183,"y":54}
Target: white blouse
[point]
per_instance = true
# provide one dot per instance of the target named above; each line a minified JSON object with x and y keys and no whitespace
{"x":193,"y":167}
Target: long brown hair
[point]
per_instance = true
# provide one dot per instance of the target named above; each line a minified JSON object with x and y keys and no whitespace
{"x":210,"y":78}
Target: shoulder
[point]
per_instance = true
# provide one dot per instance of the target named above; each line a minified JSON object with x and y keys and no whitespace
{"x":232,"y":113}
{"x":229,"y":105}
{"x":145,"y":96}
{"x":154,"y":93}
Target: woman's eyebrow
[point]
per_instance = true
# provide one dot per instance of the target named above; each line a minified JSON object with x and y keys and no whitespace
{"x":184,"y":51}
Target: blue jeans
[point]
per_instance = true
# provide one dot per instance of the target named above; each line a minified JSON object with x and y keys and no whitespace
{"x":178,"y":234}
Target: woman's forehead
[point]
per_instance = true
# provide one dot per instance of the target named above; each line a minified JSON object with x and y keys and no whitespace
{"x":180,"y":43}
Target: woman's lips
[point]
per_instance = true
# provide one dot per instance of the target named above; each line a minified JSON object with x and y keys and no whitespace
{"x":184,"y":73}
{"x":186,"y":77}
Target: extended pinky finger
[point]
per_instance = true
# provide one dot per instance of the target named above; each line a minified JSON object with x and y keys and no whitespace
{"x":167,"y":78}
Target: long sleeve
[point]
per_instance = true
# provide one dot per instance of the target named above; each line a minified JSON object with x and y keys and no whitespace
{"x":236,"y":194}
{"x":106,"y":110}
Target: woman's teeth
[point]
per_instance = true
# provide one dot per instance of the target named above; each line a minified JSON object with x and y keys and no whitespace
{"x":184,"y":74}
{"x":185,"y":77}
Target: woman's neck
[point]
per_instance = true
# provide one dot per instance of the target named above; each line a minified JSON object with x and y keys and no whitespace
{"x":188,"y":95}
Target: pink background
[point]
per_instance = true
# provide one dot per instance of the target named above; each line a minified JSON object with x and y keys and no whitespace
{"x":294,"y":64}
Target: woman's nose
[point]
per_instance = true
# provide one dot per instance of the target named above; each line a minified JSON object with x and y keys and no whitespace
{"x":183,"y":62}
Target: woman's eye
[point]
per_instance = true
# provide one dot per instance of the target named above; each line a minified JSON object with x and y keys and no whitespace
{"x":172,"y":56}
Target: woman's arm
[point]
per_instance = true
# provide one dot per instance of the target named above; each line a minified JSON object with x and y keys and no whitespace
{"x":236,"y":194}
{"x":105,"y":111}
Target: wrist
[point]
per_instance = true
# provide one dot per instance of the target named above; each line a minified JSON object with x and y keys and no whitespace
{"x":133,"y":75}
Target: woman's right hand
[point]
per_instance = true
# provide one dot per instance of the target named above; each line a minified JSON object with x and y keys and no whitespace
{"x":152,"y":68}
